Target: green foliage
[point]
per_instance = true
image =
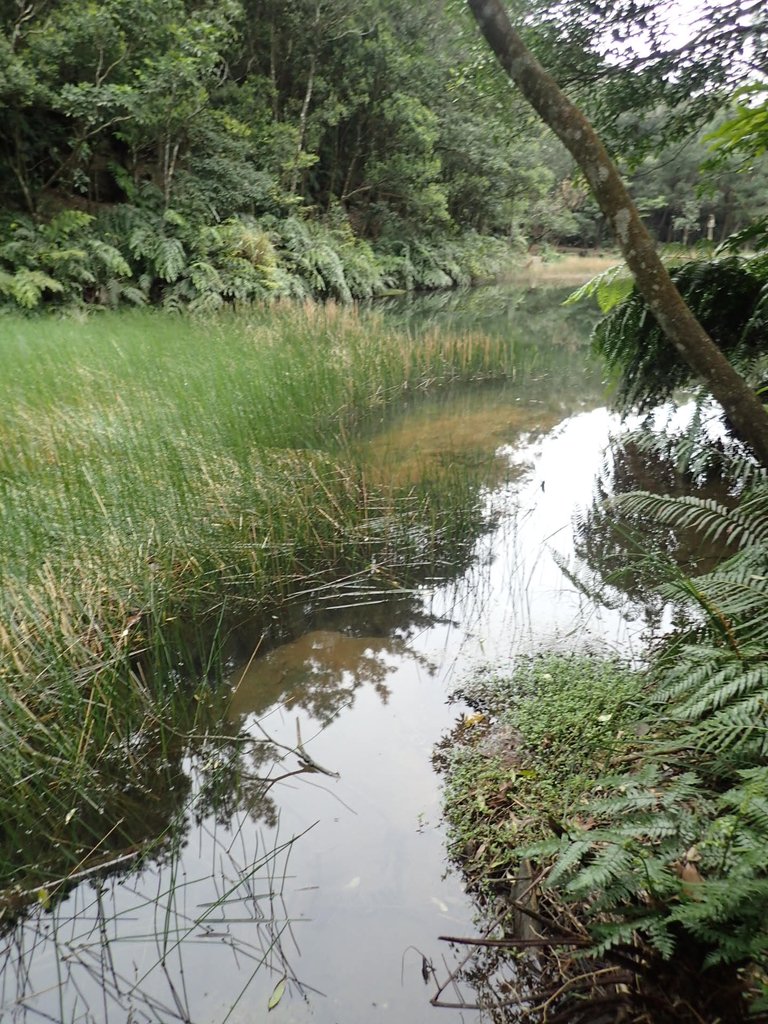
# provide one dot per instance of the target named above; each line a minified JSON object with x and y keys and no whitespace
{"x":371,"y":136}
{"x":677,"y":848}
{"x":310,"y":259}
{"x":552,"y":698}
{"x":647,"y":78}
{"x":728,"y":296}
{"x":143,"y":253}
{"x":544,"y":733}
{"x":746,"y":130}
{"x":63,"y":262}
{"x":655,"y":783}
{"x":609,"y":288}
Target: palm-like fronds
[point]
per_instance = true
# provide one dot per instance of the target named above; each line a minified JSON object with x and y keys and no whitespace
{"x":729,"y":298}
{"x":678,"y":845}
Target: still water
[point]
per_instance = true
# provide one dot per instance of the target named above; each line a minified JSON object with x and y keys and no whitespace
{"x":321,"y":896}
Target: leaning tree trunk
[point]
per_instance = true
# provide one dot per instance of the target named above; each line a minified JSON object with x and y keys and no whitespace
{"x":739,"y":402}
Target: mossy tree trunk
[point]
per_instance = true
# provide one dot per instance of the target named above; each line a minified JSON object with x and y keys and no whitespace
{"x":742,"y":407}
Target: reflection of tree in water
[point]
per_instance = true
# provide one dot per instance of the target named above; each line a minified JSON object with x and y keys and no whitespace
{"x":627,"y":554}
{"x":333,"y":654}
{"x":319,"y":673}
{"x":496,"y":309}
{"x":134,"y":791}
{"x":126,"y":942}
{"x":550,"y":338}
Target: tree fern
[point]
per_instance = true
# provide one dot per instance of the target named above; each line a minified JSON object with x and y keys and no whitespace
{"x":61,"y":259}
{"x":26,"y":287}
{"x":609,"y":288}
{"x":708,"y":518}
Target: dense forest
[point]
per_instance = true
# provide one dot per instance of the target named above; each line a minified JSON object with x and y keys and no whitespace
{"x":197,"y":153}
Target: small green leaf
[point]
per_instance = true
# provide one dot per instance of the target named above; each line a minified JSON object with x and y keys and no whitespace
{"x":277,"y":994}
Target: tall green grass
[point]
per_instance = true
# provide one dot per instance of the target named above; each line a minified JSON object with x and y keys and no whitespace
{"x":159,"y":475}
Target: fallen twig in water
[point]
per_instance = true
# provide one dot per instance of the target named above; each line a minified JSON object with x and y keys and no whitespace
{"x":514,"y":943}
{"x":309,"y":762}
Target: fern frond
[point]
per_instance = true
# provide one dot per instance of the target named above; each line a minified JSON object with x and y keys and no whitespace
{"x":28,"y":286}
{"x":747,"y":524}
{"x":731,"y":684}
{"x":169,"y":258}
{"x":610,"y":287}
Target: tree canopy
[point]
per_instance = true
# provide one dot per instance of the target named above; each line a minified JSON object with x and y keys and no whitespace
{"x":190,"y":152}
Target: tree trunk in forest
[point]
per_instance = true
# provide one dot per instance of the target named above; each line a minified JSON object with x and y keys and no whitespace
{"x":294,"y":182}
{"x":740,"y":404}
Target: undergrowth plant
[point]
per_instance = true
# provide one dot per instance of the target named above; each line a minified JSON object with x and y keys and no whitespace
{"x":672,"y":845}
{"x":149,"y":253}
{"x":540,"y":736}
{"x":642,"y":797}
{"x":63,"y":261}
{"x":727,"y":293}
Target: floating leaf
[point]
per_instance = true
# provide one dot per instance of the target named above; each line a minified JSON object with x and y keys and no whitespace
{"x":277,"y":994}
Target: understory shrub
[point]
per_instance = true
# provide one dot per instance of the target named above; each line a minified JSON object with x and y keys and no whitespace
{"x":147,"y":253}
{"x":672,"y":843}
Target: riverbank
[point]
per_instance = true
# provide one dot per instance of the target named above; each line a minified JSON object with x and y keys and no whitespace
{"x":612,"y":822}
{"x":79,"y":261}
{"x":563,"y":268}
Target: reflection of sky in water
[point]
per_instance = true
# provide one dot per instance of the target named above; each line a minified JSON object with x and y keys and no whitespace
{"x":378,"y":888}
{"x":529,"y":603}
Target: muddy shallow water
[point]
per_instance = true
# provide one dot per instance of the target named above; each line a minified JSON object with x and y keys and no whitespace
{"x":325,"y":894}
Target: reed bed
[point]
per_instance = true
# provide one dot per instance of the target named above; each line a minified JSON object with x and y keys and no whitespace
{"x":160,"y":476}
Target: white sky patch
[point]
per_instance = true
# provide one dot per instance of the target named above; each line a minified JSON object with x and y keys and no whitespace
{"x":679,"y":22}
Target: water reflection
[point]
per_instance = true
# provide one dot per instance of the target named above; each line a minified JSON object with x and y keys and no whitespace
{"x":348,"y":912}
{"x":612,"y":540}
{"x":319,"y":672}
{"x":513,"y":308}
{"x":130,"y":948}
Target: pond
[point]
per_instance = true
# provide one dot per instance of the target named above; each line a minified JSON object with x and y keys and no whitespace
{"x":320,"y":896}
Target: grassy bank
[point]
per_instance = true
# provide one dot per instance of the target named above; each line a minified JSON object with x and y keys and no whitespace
{"x":159,"y":477}
{"x":524,"y":761}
